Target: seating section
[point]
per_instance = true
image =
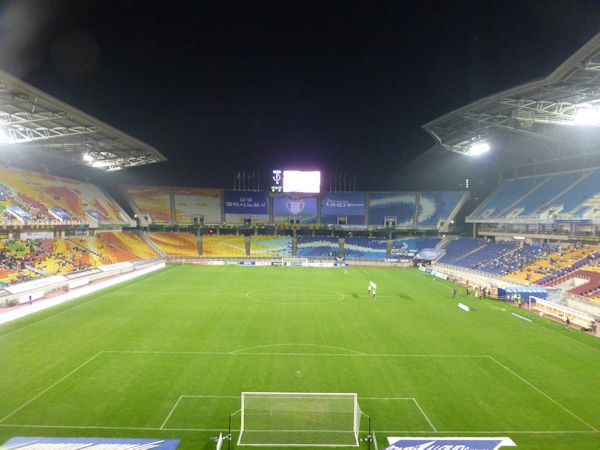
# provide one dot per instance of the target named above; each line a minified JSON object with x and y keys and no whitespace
{"x":458,"y":249}
{"x":153,"y":202}
{"x":553,"y":264}
{"x":175,"y":244}
{"x":365,"y":248}
{"x":28,"y":197}
{"x":510,"y":192}
{"x":575,"y":198}
{"x":226,"y":245}
{"x":398,"y":205}
{"x":572,"y":195}
{"x":190,"y":203}
{"x":317,"y":247}
{"x":270,"y":246}
{"x":545,"y":192}
{"x":411,"y":246}
{"x":436,"y":206}
{"x":130,"y":243}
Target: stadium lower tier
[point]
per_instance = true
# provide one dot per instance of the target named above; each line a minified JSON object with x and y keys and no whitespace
{"x":576,"y":269}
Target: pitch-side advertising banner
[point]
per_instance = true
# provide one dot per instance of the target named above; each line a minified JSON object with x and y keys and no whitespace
{"x":449,"y":443}
{"x":90,"y":443}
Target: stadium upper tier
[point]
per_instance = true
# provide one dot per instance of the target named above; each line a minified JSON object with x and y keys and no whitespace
{"x":425,"y":210}
{"x":32,"y":198}
{"x":564,"y":197}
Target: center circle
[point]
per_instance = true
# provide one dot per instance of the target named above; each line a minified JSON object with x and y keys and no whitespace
{"x":296,"y":295}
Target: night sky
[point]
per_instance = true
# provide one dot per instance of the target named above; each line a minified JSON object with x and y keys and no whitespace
{"x":340,"y":86}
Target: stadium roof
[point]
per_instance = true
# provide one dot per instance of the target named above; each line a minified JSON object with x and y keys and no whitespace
{"x":551,"y":119}
{"x":32,"y":118}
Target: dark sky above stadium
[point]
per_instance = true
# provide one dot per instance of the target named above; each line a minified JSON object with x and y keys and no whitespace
{"x":343,"y":85}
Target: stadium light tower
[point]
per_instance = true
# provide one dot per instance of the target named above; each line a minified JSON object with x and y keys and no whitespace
{"x":479,"y":148}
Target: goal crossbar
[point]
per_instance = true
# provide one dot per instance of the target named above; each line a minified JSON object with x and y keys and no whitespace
{"x":299,"y":419}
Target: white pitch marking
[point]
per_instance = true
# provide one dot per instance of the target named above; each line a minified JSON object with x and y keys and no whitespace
{"x":556,"y":402}
{"x":425,"y":415}
{"x":299,"y":345}
{"x":170,"y":413}
{"x":352,"y":355}
{"x":50,"y":387}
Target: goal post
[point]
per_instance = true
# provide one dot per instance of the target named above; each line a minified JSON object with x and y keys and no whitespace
{"x":299,"y":419}
{"x":298,"y":262}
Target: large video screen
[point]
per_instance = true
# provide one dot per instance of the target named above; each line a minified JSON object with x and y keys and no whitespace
{"x":301,"y":181}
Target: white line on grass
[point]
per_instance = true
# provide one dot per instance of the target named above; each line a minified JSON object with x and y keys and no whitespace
{"x":352,"y":355}
{"x":94,"y":427}
{"x":297,"y":345}
{"x":171,"y":412}
{"x":50,"y":387}
{"x":556,"y":402}
{"x":425,"y":415}
{"x":144,"y":278}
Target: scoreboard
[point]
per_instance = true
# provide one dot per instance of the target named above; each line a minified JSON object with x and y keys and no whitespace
{"x":296,"y":181}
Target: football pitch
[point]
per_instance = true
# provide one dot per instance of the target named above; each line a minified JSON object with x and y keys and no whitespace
{"x":167,"y":356}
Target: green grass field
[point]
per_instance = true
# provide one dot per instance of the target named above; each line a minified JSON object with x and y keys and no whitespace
{"x":167,"y":355}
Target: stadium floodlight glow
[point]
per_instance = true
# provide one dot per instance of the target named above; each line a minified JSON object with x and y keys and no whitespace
{"x":5,"y":136}
{"x":101,"y":164}
{"x":478,"y":148}
{"x":587,"y":116}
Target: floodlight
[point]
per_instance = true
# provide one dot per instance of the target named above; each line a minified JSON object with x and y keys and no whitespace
{"x":5,"y":136}
{"x":587,"y":116}
{"x":479,"y":148}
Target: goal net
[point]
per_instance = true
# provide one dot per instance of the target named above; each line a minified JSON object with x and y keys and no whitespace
{"x":299,"y":419}
{"x":294,"y":261}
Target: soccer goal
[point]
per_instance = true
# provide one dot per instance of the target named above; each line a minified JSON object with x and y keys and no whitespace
{"x":299,"y":419}
{"x":298,"y":262}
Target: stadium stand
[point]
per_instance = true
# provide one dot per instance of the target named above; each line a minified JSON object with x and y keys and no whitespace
{"x":459,"y":249}
{"x":175,"y":244}
{"x":31,"y":198}
{"x":365,"y":248}
{"x":233,"y":246}
{"x":153,"y":202}
{"x":573,"y":200}
{"x":436,"y":206}
{"x":401,"y":206}
{"x":547,"y":190}
{"x":317,"y":247}
{"x":563,"y":196}
{"x":270,"y":246}
{"x":130,"y":243}
{"x":410,"y":246}
{"x":197,"y":203}
{"x":509,"y":193}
